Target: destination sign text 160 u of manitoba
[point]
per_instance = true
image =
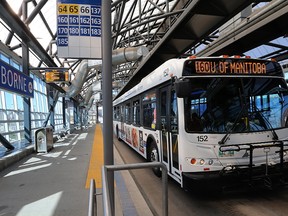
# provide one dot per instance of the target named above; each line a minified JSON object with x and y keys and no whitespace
{"x":225,"y":67}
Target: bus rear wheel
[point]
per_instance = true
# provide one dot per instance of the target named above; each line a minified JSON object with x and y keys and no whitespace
{"x":154,"y":157}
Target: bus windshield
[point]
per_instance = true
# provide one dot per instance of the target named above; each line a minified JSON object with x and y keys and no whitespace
{"x":234,"y":104}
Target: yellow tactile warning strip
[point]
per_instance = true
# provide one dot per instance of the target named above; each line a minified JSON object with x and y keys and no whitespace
{"x":96,"y":159}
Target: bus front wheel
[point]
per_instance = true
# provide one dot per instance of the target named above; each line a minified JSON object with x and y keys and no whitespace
{"x":154,"y":157}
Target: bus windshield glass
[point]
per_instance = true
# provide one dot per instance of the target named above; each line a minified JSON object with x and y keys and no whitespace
{"x":234,"y":104}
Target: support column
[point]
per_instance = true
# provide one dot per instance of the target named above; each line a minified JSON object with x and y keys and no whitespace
{"x":26,"y":100}
{"x":107,"y":95}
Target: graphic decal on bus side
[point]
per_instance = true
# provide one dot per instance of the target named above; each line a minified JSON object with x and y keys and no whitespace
{"x":128,"y":134}
{"x":135,"y":138}
{"x":142,"y":143}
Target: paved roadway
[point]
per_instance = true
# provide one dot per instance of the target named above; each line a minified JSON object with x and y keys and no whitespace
{"x":184,"y":203}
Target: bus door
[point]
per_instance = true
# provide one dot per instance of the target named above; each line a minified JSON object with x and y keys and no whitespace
{"x":169,"y":130}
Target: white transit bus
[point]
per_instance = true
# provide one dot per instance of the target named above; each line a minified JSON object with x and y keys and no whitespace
{"x":209,"y":119}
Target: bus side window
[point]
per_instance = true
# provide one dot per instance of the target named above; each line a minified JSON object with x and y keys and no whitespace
{"x":174,"y":111}
{"x":122,"y":113}
{"x":136,"y":112}
{"x":115,"y":113}
{"x":127,"y":113}
{"x":149,"y":110}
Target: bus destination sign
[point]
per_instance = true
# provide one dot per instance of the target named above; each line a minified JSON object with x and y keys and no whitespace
{"x":220,"y":66}
{"x":226,"y":67}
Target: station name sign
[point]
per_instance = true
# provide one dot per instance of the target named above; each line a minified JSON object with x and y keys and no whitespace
{"x":15,"y":81}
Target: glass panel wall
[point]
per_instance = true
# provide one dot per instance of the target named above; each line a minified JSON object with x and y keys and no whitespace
{"x":12,"y":109}
{"x":59,"y":124}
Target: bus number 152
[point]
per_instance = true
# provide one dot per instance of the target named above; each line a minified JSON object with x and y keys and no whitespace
{"x":202,"y":138}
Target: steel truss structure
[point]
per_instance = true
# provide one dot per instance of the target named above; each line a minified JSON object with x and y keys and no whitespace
{"x":135,"y":23}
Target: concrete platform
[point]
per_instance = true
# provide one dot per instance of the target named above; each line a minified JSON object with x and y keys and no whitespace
{"x":53,"y":183}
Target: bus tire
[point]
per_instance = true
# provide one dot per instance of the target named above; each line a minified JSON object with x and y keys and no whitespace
{"x":154,"y":157}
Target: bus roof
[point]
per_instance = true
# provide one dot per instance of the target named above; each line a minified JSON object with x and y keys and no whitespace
{"x":200,"y":66}
{"x":163,"y":73}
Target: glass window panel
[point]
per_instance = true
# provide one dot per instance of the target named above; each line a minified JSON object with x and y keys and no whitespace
{"x":13,"y":137}
{"x":12,"y":126}
{"x":35,"y":83}
{"x":15,"y":65}
{"x":44,"y":88}
{"x":34,"y":101}
{"x":40,"y":105}
{"x":20,"y":102}
{"x":11,"y":115}
{"x":33,"y":124}
{"x":2,"y":127}
{"x":42,"y":98}
{"x":21,"y":125}
{"x":5,"y":58}
{"x":136,"y":112}
{"x":127,"y":113}
{"x":40,"y":86}
{"x":38,"y":83}
{"x":37,"y":116}
{"x":2,"y":115}
{"x":21,"y":116}
{"x":1,"y":96}
{"x":38,"y":124}
{"x":9,"y":100}
{"x":43,"y":116}
{"x":45,"y":103}
{"x":22,"y":137}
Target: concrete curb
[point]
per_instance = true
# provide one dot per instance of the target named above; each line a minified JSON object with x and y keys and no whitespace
{"x":15,"y":156}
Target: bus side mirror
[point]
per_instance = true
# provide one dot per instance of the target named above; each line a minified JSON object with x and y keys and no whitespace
{"x":182,"y":87}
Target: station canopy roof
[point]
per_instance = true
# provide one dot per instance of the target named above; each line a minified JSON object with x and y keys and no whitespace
{"x":134,"y":23}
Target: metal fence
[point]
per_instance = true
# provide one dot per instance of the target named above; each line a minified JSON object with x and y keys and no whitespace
{"x":108,"y":203}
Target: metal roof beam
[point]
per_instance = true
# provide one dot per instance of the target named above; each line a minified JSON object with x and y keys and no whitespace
{"x":13,"y":21}
{"x":266,"y":25}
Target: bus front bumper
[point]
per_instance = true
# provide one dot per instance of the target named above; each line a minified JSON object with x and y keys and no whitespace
{"x":228,"y":176}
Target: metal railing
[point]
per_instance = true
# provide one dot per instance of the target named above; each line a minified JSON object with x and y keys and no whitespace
{"x":92,"y":210}
{"x":108,"y":206}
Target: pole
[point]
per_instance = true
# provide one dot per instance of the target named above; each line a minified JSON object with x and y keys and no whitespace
{"x":107,"y":95}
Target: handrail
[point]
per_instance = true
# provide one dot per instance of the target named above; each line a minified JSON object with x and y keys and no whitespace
{"x":92,"y":210}
{"x":108,"y":209}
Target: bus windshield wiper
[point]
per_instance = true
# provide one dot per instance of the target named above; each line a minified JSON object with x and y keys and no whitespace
{"x":224,"y":139}
{"x":275,"y":136}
